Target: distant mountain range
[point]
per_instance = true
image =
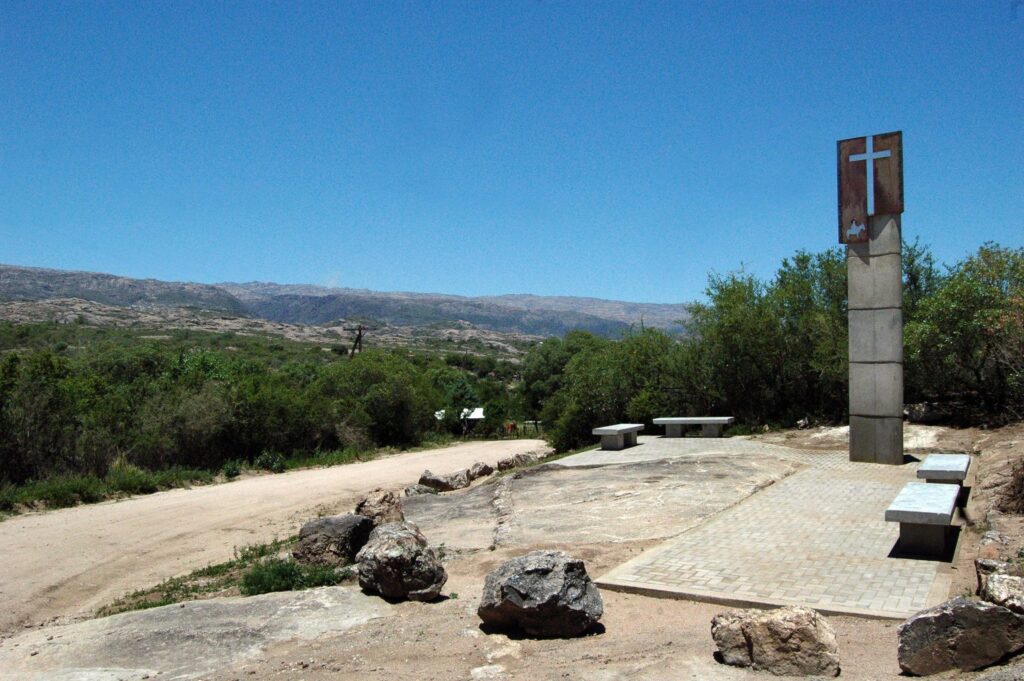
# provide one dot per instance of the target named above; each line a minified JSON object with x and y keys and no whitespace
{"x":317,"y":305}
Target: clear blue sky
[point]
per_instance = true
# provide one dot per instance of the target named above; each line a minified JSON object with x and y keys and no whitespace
{"x":619,"y":150}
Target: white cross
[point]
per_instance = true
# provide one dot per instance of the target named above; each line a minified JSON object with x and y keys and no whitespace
{"x":870,"y":157}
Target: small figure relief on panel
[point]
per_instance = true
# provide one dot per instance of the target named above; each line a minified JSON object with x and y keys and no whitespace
{"x":854,"y":231}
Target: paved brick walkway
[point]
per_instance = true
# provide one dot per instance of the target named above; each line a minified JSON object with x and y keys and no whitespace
{"x":816,"y":538}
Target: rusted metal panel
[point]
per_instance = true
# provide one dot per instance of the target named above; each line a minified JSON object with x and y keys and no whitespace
{"x":870,"y":176}
{"x":853,"y":193}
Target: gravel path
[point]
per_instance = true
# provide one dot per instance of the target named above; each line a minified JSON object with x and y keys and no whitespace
{"x":63,"y":565}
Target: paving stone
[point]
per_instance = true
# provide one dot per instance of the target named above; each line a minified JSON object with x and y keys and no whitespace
{"x":817,"y":537}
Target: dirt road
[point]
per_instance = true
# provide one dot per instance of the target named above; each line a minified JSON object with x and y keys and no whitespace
{"x":64,"y":564}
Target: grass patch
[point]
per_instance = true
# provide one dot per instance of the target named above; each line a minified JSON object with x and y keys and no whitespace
{"x":228,"y":578}
{"x":336,"y":457}
{"x":61,"y":491}
{"x":279,"y":574}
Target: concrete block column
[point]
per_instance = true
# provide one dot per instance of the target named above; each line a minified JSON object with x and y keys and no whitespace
{"x":875,"y":301}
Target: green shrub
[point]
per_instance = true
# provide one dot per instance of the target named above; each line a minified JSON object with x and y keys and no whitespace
{"x":278,"y":574}
{"x":130,"y":479}
{"x":271,"y":575}
{"x":8,"y":496}
{"x":270,"y":461}
{"x":231,"y":470}
{"x":64,"y":490}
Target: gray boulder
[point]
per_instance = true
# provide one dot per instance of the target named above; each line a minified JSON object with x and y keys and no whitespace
{"x":1005,"y":590}
{"x":544,"y":593}
{"x":446,"y":483}
{"x":397,"y":563}
{"x":381,"y":506}
{"x":332,"y":541}
{"x":480,"y":470}
{"x":792,"y":641}
{"x":519,"y":460}
{"x":985,"y":568}
{"x":417,"y":489}
{"x":958,"y":634}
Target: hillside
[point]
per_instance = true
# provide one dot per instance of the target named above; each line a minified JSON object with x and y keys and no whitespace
{"x":299,"y":304}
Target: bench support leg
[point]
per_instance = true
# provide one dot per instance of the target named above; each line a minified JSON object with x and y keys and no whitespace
{"x":631,"y":439}
{"x":923,"y":540}
{"x":711,"y":430}
{"x":674,"y":430}
{"x":613,"y":443}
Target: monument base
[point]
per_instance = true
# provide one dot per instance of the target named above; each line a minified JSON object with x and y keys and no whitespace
{"x":876,"y":439}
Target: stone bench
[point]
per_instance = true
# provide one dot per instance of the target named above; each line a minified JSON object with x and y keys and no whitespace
{"x":619,"y":436}
{"x":947,"y":469}
{"x":925,"y":514}
{"x":711,"y":426}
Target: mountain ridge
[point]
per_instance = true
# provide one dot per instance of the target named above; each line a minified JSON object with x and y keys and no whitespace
{"x":312,"y":304}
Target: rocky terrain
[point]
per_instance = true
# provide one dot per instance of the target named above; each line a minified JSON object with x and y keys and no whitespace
{"x":523,"y":315}
{"x":459,"y":336}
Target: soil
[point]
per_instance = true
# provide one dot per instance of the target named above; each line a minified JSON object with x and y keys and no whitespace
{"x":640,"y":637}
{"x":63,"y":565}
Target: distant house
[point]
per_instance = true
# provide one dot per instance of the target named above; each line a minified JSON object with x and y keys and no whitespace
{"x":476,"y":414}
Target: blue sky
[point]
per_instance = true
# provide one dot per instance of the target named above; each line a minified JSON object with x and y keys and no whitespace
{"x":619,"y":150}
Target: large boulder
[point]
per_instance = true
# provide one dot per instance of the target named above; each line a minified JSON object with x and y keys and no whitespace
{"x":446,"y":483}
{"x":381,"y":506}
{"x":792,"y":641}
{"x":480,"y":470}
{"x":332,"y":541}
{"x":544,"y":593}
{"x":958,"y":634}
{"x":397,"y":563}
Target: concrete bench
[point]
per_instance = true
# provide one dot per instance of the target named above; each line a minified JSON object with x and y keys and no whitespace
{"x":711,"y":426}
{"x":619,"y":436}
{"x":925,"y":514}
{"x":947,"y":468}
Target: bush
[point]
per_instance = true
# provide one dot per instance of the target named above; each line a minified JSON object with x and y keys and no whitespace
{"x":278,"y":574}
{"x":270,"y":461}
{"x":8,"y":496}
{"x":130,"y":479}
{"x":64,"y":490}
{"x":231,"y":470}
{"x":271,"y":575}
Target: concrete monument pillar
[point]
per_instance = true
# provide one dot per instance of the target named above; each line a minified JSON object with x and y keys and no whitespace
{"x":870,"y":204}
{"x":875,"y":300}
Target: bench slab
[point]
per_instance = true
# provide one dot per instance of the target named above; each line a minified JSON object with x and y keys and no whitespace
{"x":619,"y":429}
{"x":923,"y":504}
{"x":619,"y":436}
{"x":944,"y":467}
{"x":711,"y":426}
{"x":693,"y":420}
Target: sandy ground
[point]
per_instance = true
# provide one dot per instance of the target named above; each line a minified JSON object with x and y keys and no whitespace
{"x":63,"y":565}
{"x":642,"y":638}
